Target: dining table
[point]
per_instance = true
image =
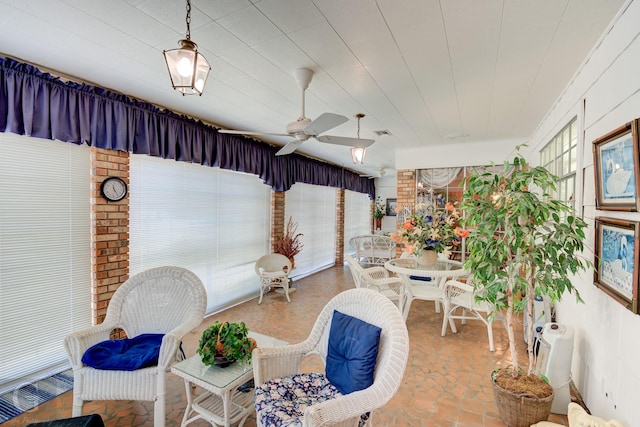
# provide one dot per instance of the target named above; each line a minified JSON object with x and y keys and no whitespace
{"x":425,"y":282}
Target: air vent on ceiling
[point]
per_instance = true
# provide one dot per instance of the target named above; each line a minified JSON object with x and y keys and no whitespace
{"x":454,"y":136}
{"x":382,"y":132}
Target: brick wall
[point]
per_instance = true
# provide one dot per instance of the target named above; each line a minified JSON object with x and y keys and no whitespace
{"x":110,"y":230}
{"x":406,"y":198}
{"x":277,"y":216}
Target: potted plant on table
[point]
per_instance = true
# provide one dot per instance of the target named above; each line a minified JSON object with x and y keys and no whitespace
{"x":431,"y":231}
{"x":523,"y":243}
{"x":224,"y":343}
{"x":289,"y":244}
{"x":378,"y":212}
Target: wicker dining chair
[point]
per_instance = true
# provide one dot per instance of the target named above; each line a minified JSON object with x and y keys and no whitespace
{"x":283,"y":394}
{"x":164,"y":300}
{"x":460,"y":303}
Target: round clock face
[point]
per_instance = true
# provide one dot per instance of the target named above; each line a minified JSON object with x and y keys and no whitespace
{"x":113,"y":189}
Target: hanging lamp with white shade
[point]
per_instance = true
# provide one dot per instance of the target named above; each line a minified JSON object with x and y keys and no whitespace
{"x":188,"y":68}
{"x":358,"y":153}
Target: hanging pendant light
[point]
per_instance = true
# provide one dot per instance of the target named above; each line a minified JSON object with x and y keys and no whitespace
{"x":357,"y":153}
{"x":187,"y":67}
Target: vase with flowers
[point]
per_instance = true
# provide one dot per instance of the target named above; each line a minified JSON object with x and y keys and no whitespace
{"x":289,"y":244}
{"x":378,"y":212}
{"x":431,"y":231}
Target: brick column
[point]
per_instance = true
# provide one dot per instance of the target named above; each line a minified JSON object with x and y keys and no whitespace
{"x":110,"y":230}
{"x":277,"y":216}
{"x":340,"y":227}
{"x":406,"y":198}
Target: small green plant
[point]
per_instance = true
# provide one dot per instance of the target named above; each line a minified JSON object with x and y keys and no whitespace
{"x":229,"y":340}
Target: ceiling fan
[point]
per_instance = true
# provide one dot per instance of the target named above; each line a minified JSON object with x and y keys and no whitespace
{"x":380,"y":172}
{"x":305,"y":128}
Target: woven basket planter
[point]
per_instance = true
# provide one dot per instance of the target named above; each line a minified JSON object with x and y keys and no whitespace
{"x":521,"y":410}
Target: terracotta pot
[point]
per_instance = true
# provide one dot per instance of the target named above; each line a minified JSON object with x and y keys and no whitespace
{"x":378,"y":223}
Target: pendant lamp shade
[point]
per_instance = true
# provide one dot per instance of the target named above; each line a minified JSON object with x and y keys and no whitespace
{"x":187,"y":67}
{"x":357,"y":155}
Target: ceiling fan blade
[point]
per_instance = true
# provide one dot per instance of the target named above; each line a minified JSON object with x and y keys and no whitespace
{"x":289,"y":148}
{"x":323,"y":123}
{"x":342,"y":140}
{"x":242,"y":132}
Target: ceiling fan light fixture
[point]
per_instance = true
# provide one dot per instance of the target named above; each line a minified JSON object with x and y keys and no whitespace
{"x":357,"y":155}
{"x":188,"y":68}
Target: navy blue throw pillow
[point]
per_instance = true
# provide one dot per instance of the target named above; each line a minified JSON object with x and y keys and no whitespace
{"x":352,"y":353}
{"x":126,"y":354}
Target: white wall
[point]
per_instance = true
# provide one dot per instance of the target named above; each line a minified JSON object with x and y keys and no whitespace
{"x":387,"y":188}
{"x":604,"y":94}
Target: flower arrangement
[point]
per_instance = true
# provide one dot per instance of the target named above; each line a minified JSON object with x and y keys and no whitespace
{"x":289,"y":245}
{"x":429,"y":228}
{"x":379,"y":208}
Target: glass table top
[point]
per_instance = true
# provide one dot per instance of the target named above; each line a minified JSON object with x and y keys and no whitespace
{"x":222,"y":377}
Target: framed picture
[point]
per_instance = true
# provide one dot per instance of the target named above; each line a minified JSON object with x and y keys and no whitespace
{"x":616,"y":260}
{"x":615,"y":159}
{"x":391,"y":207}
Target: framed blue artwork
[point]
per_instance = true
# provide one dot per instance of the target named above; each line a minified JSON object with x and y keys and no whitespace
{"x":616,"y":260}
{"x":615,"y":159}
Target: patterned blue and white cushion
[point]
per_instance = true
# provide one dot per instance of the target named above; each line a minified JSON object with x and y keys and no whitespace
{"x":282,"y":401}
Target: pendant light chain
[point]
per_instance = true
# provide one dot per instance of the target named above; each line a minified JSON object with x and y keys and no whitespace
{"x":188,"y":19}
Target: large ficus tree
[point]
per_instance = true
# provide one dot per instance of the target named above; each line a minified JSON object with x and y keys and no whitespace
{"x":523,"y":243}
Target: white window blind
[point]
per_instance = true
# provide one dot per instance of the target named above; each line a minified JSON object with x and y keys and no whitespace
{"x":211,"y":221}
{"x":314,"y":208}
{"x":45,"y":249}
{"x":357,"y":217}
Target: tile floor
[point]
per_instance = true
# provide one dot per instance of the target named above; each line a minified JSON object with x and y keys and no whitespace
{"x":446,"y":382}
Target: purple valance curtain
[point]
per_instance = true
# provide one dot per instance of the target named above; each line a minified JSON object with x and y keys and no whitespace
{"x":37,"y":104}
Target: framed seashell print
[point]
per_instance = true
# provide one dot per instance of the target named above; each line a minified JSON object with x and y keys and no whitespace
{"x":616,"y":260}
{"x":615,"y":159}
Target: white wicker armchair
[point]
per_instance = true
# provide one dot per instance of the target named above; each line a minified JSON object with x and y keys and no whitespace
{"x":270,"y":363}
{"x":273,"y":270}
{"x":163,"y":300}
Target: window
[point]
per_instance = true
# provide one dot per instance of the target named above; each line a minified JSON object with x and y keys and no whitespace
{"x":211,"y":221}
{"x":559,"y":156}
{"x":45,"y":249}
{"x":314,"y":209}
{"x":357,"y":217}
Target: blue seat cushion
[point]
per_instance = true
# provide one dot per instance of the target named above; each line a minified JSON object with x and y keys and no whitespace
{"x":352,"y":353}
{"x":126,"y":354}
{"x":282,"y":401}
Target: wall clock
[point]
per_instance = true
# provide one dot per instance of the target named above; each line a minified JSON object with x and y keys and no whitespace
{"x":113,"y":189}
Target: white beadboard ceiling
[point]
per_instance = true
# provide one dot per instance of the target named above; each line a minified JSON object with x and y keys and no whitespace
{"x":427,"y":71}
